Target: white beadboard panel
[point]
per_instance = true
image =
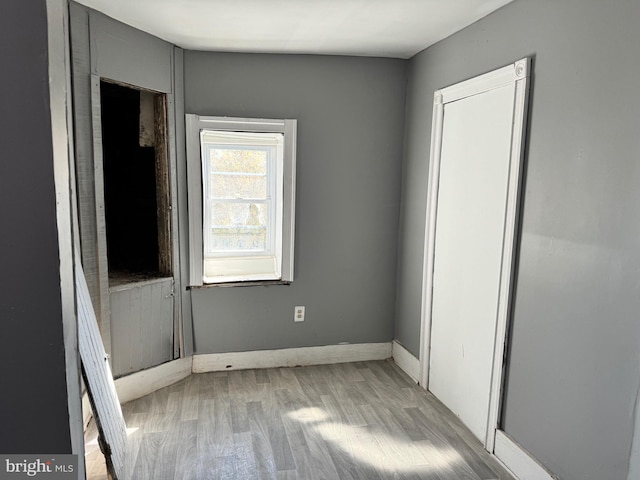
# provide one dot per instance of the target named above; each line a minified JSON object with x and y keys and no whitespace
{"x":291,"y":357}
{"x":141,"y":325}
{"x":518,"y":460}
{"x":406,"y":361}
{"x":99,"y":381}
{"x":142,"y":383}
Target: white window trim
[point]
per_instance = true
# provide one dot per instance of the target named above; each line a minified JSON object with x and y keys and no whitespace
{"x":194,"y":124}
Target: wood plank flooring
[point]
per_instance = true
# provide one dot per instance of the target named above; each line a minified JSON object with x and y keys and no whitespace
{"x":352,"y":421}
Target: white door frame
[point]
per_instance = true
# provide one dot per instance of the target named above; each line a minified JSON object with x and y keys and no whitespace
{"x":517,"y":73}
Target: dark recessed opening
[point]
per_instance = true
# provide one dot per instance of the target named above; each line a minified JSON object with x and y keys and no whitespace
{"x":135,"y":183}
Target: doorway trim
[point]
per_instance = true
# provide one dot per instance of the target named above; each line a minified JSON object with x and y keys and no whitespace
{"x":60,"y":103}
{"x":517,"y":73}
{"x":171,"y":201}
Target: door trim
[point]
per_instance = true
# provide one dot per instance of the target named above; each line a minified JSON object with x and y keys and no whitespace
{"x":170,"y":161}
{"x":518,"y":73}
{"x":104,"y":314}
{"x":60,"y":101}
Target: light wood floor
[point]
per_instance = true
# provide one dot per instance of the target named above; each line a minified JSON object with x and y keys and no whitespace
{"x":354,"y":421}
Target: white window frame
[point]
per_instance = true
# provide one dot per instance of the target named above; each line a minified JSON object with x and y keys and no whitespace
{"x":285,"y":185}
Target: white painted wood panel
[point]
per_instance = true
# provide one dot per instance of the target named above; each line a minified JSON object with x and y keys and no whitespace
{"x":141,"y":325}
{"x":472,"y":198}
{"x":99,"y":381}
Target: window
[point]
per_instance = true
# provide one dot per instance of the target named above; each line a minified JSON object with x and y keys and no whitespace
{"x":241,"y":178}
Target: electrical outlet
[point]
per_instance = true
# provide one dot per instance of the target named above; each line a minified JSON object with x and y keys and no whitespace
{"x":298,"y":314}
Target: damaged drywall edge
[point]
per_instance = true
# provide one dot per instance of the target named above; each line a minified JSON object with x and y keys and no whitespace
{"x":634,"y":454}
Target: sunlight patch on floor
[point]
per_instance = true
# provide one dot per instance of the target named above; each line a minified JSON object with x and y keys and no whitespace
{"x":372,"y":446}
{"x":309,"y":415}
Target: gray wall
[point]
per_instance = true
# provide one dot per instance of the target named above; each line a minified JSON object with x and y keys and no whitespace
{"x":350,"y":115}
{"x":574,"y":365}
{"x":32,"y":358}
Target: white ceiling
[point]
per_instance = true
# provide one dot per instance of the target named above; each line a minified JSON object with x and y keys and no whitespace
{"x":383,"y":28}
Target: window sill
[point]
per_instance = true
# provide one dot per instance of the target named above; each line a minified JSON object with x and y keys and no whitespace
{"x":248,"y":283}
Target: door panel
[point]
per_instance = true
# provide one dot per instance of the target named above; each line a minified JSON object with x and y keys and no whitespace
{"x":141,"y":325}
{"x":469,"y":236}
{"x":98,"y":379}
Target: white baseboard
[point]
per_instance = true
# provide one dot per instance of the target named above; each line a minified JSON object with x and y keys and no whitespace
{"x":291,"y":357}
{"x":143,"y":383}
{"x":518,"y":460}
{"x":406,"y":361}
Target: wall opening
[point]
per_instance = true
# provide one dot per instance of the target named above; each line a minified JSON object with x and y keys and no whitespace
{"x":136,"y":183}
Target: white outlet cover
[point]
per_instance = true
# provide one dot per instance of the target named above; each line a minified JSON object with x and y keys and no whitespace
{"x":298,"y":314}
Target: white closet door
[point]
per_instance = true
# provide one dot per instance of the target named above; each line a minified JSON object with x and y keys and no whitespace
{"x":467,"y":264}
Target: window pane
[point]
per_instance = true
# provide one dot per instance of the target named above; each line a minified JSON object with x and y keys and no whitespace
{"x":238,"y":226}
{"x":237,"y":173}
{"x":240,"y":160}
{"x":233,"y":186}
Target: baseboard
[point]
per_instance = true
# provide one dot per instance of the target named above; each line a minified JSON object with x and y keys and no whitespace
{"x":518,"y":460}
{"x":291,"y":357}
{"x":143,"y":383}
{"x":406,"y":361}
